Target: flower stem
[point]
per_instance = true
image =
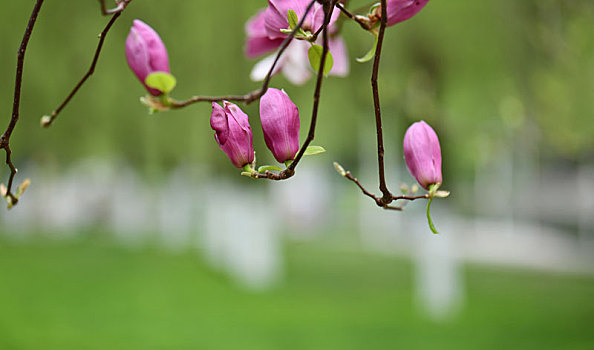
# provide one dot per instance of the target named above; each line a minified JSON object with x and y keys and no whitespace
{"x":431,"y":226}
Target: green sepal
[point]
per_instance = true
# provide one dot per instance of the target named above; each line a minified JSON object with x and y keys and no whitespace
{"x":248,"y":171}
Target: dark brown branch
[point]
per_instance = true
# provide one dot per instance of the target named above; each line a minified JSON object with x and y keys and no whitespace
{"x":256,"y":94}
{"x":47,"y":120}
{"x":363,"y":21}
{"x":380,"y":201}
{"x":387,"y":196}
{"x":350,"y":176}
{"x":283,"y":175}
{"x":121,"y":6}
{"x":5,"y":139}
{"x":410,"y":198}
{"x":328,"y":7}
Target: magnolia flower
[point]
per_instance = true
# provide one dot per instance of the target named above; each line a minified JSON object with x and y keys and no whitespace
{"x":423,"y":154}
{"x":280,"y":123}
{"x":294,"y":63}
{"x":146,"y":53}
{"x":401,"y":10}
{"x":233,"y":133}
{"x":275,"y":16}
{"x":258,"y":42}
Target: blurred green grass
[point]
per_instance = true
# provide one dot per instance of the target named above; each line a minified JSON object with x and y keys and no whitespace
{"x":92,"y":293}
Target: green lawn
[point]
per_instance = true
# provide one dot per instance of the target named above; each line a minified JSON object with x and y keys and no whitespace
{"x":94,"y":294}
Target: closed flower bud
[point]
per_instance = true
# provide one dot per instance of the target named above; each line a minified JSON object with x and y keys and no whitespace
{"x":233,"y":133}
{"x":401,"y":10}
{"x":423,"y":154}
{"x":280,"y":123}
{"x":146,"y":53}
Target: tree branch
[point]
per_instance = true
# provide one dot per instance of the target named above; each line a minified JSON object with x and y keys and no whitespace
{"x":121,"y":6}
{"x":380,"y":201}
{"x":256,"y":94}
{"x":387,"y":196}
{"x":328,"y":8}
{"x":363,"y":21}
{"x":47,"y":120}
{"x":5,"y":139}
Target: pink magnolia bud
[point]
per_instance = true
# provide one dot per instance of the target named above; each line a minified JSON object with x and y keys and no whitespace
{"x":423,"y":154}
{"x":280,"y":123}
{"x":146,"y":53}
{"x":401,"y":10}
{"x":233,"y":133}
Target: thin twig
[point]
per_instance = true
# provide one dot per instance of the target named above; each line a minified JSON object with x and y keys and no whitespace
{"x":380,"y":201}
{"x":350,"y":176}
{"x":121,"y":6}
{"x":363,"y":21}
{"x":387,"y":196}
{"x":256,"y":94}
{"x":5,"y":139}
{"x":410,"y":198}
{"x":328,"y":8}
{"x":47,"y":120}
{"x":290,"y":171}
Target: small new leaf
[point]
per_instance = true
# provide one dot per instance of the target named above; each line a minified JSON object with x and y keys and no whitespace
{"x":161,"y":81}
{"x":315,"y":58}
{"x":340,"y":169}
{"x":292,"y":18}
{"x":23,"y":187}
{"x":373,"y":8}
{"x":264,"y":168}
{"x":442,"y":194}
{"x":311,"y":150}
{"x":370,"y":54}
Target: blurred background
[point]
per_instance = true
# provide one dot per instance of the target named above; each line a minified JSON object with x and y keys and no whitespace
{"x":137,"y":232}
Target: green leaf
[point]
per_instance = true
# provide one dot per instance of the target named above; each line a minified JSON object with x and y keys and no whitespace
{"x":315,"y":58}
{"x":263,"y":168}
{"x":370,"y":54}
{"x":161,"y":81}
{"x":292,"y":18}
{"x":311,"y":150}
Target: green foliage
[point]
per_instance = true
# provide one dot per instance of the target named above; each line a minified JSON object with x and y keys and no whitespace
{"x":162,"y":81}
{"x":293,"y":19}
{"x":315,"y":53}
{"x":312,"y":150}
{"x":370,"y":54}
{"x":264,"y":168}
